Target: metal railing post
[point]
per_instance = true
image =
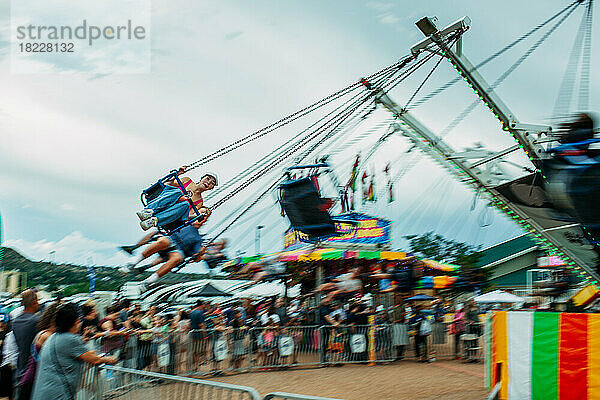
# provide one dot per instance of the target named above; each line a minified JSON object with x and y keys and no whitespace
{"x":292,"y":396}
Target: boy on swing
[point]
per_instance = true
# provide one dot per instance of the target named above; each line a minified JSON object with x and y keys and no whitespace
{"x":173,"y":249}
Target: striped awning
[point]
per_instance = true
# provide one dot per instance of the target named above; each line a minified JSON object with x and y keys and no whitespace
{"x":340,"y":254}
{"x":307,"y":254}
{"x":311,"y":254}
{"x":436,"y":282}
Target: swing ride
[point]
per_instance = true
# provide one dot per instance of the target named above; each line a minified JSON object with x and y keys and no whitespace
{"x":555,"y":201}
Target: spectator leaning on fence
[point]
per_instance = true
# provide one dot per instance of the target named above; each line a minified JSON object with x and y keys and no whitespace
{"x":9,"y":353}
{"x":457,"y":328}
{"x":46,"y":327}
{"x":326,"y":321}
{"x":62,"y":358}
{"x":383,"y":333}
{"x":110,"y":331}
{"x":89,"y":322}
{"x":198,"y":333}
{"x":25,"y":328}
{"x":145,"y":355}
{"x":400,"y":333}
{"x":239,"y":333}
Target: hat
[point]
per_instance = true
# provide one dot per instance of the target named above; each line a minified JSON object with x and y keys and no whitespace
{"x":211,"y":175}
{"x":380,"y":308}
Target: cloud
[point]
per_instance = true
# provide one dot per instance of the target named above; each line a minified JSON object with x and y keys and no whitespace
{"x":74,"y":248}
{"x":380,"y":6}
{"x":384,"y":12}
{"x":389,"y":18}
{"x":233,"y":35}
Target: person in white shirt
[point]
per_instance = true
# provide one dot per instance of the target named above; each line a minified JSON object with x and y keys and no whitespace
{"x":10,"y":353}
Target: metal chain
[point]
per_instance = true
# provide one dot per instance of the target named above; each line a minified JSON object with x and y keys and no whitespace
{"x":337,"y":129}
{"x":266,"y":159}
{"x":277,"y":161}
{"x":531,"y":50}
{"x":283,"y":121}
{"x":271,"y":165}
{"x":424,"y":80}
{"x":340,"y":119}
{"x":584,"y":82}
{"x":495,"y":55}
{"x":258,"y":199}
{"x":503,"y":77}
{"x":395,"y":82}
{"x":565,"y":92}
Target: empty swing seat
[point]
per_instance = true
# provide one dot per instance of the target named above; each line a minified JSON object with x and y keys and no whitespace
{"x":305,"y":208}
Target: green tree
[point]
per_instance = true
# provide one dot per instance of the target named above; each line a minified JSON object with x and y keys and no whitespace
{"x":436,"y":247}
{"x":74,"y":278}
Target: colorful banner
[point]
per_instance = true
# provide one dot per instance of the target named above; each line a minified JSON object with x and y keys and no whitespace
{"x":92,"y":278}
{"x":363,"y":229}
{"x":544,"y":355}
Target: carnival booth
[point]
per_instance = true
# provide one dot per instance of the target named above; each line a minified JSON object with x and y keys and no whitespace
{"x":363,"y":242}
{"x":543,"y":355}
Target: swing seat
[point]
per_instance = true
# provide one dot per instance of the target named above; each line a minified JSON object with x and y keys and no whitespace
{"x":152,"y":192}
{"x":573,"y":183}
{"x":156,"y":189}
{"x":305,"y":208}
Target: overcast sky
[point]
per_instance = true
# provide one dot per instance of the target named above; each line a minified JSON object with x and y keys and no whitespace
{"x":77,"y":148}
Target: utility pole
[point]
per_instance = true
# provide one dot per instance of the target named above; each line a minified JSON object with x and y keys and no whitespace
{"x":257,"y":239}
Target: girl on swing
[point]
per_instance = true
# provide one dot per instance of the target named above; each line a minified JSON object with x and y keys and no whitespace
{"x":173,"y":203}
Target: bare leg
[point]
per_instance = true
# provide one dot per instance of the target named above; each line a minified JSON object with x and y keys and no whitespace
{"x":161,"y":244}
{"x":157,"y":261}
{"x":145,"y":240}
{"x":174,"y":259}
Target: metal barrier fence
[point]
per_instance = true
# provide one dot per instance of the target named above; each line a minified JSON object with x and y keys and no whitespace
{"x":116,"y":383}
{"x":215,"y":351}
{"x":110,"y":382}
{"x":292,"y":396}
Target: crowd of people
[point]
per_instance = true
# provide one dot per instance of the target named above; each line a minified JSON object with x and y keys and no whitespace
{"x":43,"y":351}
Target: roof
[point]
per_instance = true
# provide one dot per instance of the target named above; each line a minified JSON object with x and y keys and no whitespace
{"x":506,"y":249}
{"x":209,"y":290}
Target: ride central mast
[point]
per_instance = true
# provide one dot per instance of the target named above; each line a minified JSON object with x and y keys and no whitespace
{"x":556,"y":237}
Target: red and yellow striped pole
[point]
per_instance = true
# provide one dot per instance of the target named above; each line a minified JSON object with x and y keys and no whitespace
{"x":372,"y":353}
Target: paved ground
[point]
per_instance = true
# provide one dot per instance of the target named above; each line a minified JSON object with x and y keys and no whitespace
{"x":447,"y":380}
